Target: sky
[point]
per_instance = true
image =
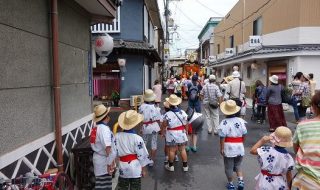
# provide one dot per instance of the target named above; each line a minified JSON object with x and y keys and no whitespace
{"x":191,"y":16}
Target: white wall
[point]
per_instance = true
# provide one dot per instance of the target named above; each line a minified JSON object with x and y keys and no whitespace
{"x":256,"y":74}
{"x":310,"y":64}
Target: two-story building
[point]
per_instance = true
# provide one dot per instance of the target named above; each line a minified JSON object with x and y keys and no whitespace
{"x":206,"y":40}
{"x":45,"y":80}
{"x":137,"y":33}
{"x":269,"y":37}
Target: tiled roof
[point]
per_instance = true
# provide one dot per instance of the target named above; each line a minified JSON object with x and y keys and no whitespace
{"x":272,"y":50}
{"x":137,"y":46}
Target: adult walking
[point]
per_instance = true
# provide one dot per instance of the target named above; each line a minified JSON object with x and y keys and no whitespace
{"x":261,"y":99}
{"x":275,"y":110}
{"x":194,"y":89}
{"x":157,"y":89}
{"x":307,"y":147}
{"x":212,"y":98}
{"x":304,"y":92}
{"x":296,"y":96}
{"x":236,"y":89}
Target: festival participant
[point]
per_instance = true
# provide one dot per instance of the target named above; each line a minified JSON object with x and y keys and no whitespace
{"x":131,"y":150}
{"x":100,"y":140}
{"x":194,"y":89}
{"x":275,"y":162}
{"x":151,"y":122}
{"x":232,"y":132}
{"x":196,"y":121}
{"x":176,"y":126}
{"x":157,"y":89}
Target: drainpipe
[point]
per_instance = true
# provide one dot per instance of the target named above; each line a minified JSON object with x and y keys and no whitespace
{"x":56,"y":83}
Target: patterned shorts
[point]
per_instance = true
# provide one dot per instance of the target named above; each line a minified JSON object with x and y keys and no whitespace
{"x":103,"y":182}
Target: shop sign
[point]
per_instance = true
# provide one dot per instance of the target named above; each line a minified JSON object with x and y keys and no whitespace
{"x":230,"y":52}
{"x":212,"y":58}
{"x":255,"y":41}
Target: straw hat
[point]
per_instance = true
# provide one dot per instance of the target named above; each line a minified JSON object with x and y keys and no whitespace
{"x":100,"y":112}
{"x":228,"y":78}
{"x":282,"y":137}
{"x":236,"y":74}
{"x":149,"y":95}
{"x":129,"y":119}
{"x":174,"y":100}
{"x":274,"y":79}
{"x":306,"y":76}
{"x":229,"y":107}
{"x":166,"y":104}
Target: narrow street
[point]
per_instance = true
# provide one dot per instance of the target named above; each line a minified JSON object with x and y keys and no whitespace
{"x":206,"y":170}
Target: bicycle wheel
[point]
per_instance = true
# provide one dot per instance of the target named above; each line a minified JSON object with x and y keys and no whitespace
{"x":62,"y":182}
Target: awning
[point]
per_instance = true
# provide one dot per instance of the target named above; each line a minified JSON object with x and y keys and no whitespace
{"x":102,"y":11}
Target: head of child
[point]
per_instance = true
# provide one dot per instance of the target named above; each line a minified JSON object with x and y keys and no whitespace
{"x":229,"y":108}
{"x":166,"y":106}
{"x":282,"y":137}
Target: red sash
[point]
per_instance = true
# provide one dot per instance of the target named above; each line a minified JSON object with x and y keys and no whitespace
{"x":93,"y":135}
{"x":179,"y":128}
{"x":128,"y":158}
{"x":150,"y":122}
{"x":265,"y":172}
{"x":233,"y":139}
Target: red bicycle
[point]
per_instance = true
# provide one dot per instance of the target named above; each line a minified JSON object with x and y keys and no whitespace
{"x":51,"y":180}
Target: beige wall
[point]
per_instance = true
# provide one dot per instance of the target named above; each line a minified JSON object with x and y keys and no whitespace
{"x":277,"y":15}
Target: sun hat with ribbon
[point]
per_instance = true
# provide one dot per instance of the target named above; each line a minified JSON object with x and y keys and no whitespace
{"x":229,"y":107}
{"x":100,"y":112}
{"x":174,"y":100}
{"x":129,"y":119}
{"x":149,"y":95}
{"x":282,"y":137}
{"x":274,"y":79}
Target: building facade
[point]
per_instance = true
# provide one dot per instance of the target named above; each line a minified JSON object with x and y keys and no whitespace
{"x":269,"y":37}
{"x":26,"y":89}
{"x":137,"y":39}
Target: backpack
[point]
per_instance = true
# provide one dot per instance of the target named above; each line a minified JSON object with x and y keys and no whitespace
{"x":179,"y":87}
{"x":193,"y":92}
{"x":262,"y":95}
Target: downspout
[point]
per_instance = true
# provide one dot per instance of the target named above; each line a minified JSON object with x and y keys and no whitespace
{"x":56,"y":83}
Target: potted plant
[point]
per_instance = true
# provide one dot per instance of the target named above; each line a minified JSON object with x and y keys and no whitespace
{"x":115,"y":98}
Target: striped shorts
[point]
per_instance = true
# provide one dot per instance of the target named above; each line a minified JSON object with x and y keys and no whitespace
{"x":103,"y":182}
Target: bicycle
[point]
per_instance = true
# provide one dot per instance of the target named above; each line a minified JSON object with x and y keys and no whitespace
{"x":51,"y":180}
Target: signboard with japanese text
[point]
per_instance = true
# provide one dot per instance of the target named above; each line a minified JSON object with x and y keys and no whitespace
{"x":230,"y":52}
{"x":255,"y":41}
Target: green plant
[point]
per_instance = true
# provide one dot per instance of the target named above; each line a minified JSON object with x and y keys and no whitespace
{"x":115,"y":95}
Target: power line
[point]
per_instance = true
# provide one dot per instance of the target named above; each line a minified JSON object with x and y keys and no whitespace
{"x":209,"y":8}
{"x":189,"y":18}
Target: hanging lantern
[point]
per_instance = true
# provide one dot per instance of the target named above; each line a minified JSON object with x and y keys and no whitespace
{"x":122,"y":65}
{"x":104,"y":45}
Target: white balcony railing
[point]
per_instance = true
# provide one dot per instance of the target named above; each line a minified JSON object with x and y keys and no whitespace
{"x":108,"y":28}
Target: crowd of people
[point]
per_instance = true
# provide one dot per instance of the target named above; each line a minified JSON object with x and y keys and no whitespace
{"x":179,"y":129}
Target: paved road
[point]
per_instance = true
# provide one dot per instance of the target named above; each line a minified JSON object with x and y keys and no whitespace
{"x":206,"y":169}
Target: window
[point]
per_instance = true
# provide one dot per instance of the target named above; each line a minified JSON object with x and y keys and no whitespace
{"x":218,"y":48}
{"x":257,"y":27}
{"x":231,"y":38}
{"x":248,"y":72}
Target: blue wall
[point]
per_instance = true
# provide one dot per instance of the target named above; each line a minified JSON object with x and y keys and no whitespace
{"x":131,"y":21}
{"x":133,"y":78}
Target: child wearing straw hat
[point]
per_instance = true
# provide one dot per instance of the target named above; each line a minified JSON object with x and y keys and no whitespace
{"x":100,"y":140}
{"x":131,"y":150}
{"x":175,"y":123}
{"x":232,"y":131}
{"x":151,"y":122}
{"x":275,"y":161}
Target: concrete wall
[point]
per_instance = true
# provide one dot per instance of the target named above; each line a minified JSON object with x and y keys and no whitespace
{"x":131,"y":25}
{"x":25,"y":79}
{"x":309,"y":64}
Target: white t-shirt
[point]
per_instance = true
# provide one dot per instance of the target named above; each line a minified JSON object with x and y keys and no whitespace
{"x":103,"y":139}
{"x":150,"y":113}
{"x":125,"y":144}
{"x":233,"y":127}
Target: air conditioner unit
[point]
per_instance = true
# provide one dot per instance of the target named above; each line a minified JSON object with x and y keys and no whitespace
{"x":136,"y":99}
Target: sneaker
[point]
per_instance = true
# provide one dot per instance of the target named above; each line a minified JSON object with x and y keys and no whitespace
{"x":187,"y":148}
{"x":194,"y":149}
{"x":169,"y":168}
{"x":258,"y":121}
{"x":240,"y":185}
{"x":185,"y":169}
{"x":230,"y":186}
{"x":176,"y":158}
{"x":209,"y":132}
{"x":150,"y":165}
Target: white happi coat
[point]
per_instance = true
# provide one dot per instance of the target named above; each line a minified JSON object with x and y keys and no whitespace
{"x":176,"y":136}
{"x":125,"y":144}
{"x":274,"y":162}
{"x":150,"y":113}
